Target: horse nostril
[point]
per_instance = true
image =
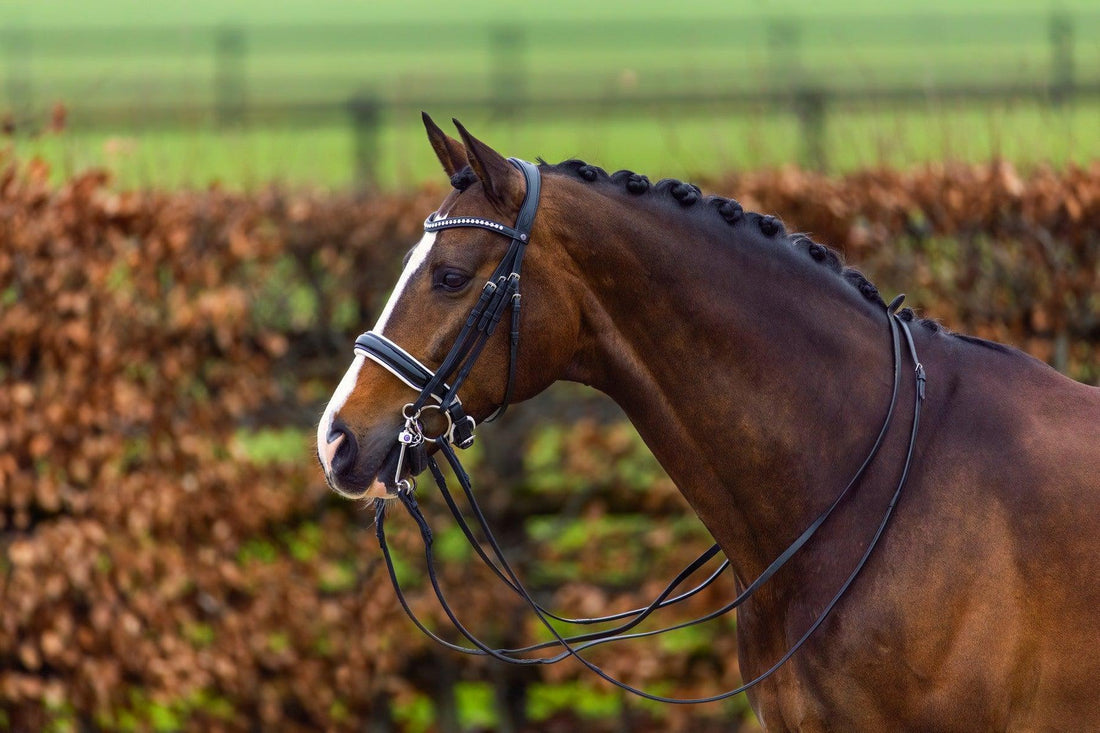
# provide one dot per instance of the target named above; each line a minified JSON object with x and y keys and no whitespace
{"x":343,"y":448}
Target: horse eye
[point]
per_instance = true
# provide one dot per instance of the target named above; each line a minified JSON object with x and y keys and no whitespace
{"x":452,"y":280}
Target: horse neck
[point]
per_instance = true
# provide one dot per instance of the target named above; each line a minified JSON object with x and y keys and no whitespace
{"x":758,"y":380}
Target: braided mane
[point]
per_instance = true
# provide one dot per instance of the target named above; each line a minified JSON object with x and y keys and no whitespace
{"x":692,"y":200}
{"x":688,"y":195}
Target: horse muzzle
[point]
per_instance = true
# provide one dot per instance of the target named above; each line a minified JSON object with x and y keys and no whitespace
{"x":369,"y":469}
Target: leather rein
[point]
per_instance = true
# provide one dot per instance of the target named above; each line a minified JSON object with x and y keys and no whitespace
{"x":435,"y":393}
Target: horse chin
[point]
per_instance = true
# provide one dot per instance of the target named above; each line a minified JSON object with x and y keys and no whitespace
{"x":379,"y":490}
{"x":376,"y":490}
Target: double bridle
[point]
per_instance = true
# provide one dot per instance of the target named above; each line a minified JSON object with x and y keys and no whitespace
{"x":435,"y":393}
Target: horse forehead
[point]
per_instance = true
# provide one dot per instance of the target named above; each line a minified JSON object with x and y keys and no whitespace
{"x":448,"y":202}
{"x":422,"y":250}
{"x":417,"y":258}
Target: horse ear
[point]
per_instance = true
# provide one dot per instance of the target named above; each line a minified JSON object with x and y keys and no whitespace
{"x":449,"y":151}
{"x":503,"y":183}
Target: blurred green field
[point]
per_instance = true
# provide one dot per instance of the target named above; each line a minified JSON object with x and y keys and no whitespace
{"x":663,"y":145}
{"x":139,"y":12}
{"x":139,"y":66}
{"x":142,"y":84}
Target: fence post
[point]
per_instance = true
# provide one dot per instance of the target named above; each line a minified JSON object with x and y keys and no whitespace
{"x":508,"y":69}
{"x":510,"y":692}
{"x":229,"y":76}
{"x":18,"y":79}
{"x":1062,"y":82}
{"x":364,"y":109}
{"x":809,"y":105}
{"x":785,"y":53}
{"x":1060,"y":360}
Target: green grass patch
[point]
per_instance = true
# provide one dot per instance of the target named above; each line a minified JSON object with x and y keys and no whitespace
{"x":323,"y":646}
{"x":306,"y":59}
{"x":580,"y":536}
{"x":62,"y":717}
{"x":664,"y":143}
{"x":278,"y":641}
{"x":451,"y":545}
{"x":415,"y":713}
{"x":338,"y":577}
{"x":272,"y":445}
{"x":544,"y":700}
{"x":282,"y":300}
{"x":409,"y":574}
{"x":143,"y":713}
{"x":476,"y":705}
{"x":303,"y":542}
{"x":257,"y":550}
{"x":623,"y":460}
{"x":686,"y":640}
{"x":625,"y":544}
{"x":339,"y":711}
{"x":199,"y":634}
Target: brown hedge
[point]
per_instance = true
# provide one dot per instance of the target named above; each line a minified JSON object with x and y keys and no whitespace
{"x":983,"y":249}
{"x":156,"y":576}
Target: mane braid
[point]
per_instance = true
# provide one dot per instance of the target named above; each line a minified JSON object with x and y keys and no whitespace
{"x":688,"y":194}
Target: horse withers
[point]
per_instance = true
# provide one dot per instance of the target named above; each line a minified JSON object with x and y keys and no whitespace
{"x":758,"y":369}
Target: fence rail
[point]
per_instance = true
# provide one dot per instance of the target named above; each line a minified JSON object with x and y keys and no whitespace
{"x":228,"y":75}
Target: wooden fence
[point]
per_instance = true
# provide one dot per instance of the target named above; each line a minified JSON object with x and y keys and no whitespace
{"x":809,"y":67}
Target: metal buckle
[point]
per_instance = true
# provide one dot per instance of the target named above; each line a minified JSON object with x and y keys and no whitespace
{"x":414,"y":418}
{"x":410,"y":436}
{"x":469,"y":441}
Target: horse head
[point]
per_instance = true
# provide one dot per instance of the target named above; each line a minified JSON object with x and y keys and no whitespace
{"x":446,"y":275}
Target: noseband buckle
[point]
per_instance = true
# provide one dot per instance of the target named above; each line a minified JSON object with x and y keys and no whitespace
{"x":461,"y":433}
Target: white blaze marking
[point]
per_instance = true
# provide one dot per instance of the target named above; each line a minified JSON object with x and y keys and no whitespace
{"x":339,"y":397}
{"x":347,"y":385}
{"x":418,"y":257}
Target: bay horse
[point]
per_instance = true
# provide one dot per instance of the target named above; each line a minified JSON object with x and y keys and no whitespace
{"x":757,"y":368}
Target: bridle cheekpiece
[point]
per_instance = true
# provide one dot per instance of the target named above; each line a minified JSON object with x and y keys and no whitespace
{"x":500,"y":293}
